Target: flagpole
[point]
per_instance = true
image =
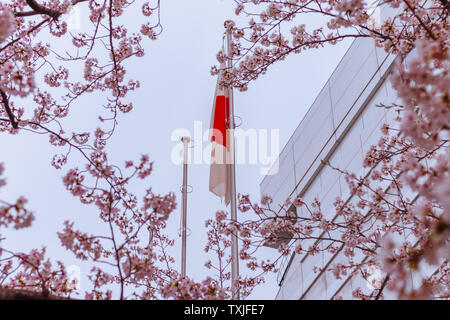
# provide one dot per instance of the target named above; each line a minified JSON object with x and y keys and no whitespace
{"x":185,"y":141}
{"x":234,"y":239}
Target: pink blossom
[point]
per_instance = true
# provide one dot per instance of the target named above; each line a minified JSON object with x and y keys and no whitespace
{"x":7,"y":24}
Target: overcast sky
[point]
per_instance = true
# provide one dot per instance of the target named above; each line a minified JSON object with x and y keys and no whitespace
{"x":176,"y":90}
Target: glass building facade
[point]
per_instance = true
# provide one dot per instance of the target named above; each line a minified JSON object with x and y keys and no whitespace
{"x":340,"y":126}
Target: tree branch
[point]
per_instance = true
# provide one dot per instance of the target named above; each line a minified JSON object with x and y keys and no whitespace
{"x":43,"y":10}
{"x":16,"y":294}
{"x":39,"y":9}
{"x":5,"y":102}
{"x":382,"y":287}
{"x":446,"y":4}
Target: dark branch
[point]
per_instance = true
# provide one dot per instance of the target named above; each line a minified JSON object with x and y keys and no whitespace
{"x":17,"y":294}
{"x":5,"y":102}
{"x":39,"y":9}
{"x":382,"y":287}
{"x":446,"y":4}
{"x":43,"y":10}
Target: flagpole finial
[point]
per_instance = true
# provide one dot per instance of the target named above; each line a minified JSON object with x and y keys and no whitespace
{"x":185,"y":139}
{"x":229,"y":24}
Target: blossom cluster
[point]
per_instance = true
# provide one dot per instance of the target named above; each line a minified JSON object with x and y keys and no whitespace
{"x":7,"y":24}
{"x":381,"y":225}
{"x":186,"y":289}
{"x":275,"y":30}
{"x":30,"y":271}
{"x":406,"y":190}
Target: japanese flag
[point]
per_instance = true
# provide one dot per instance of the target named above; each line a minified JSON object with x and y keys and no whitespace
{"x":219,"y":176}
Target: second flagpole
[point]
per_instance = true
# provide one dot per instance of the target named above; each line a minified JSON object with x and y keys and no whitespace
{"x":234,"y":238}
{"x":184,"y":190}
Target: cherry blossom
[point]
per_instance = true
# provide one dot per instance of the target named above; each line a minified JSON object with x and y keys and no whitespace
{"x":7,"y":24}
{"x":406,"y":190}
{"x":412,"y":156}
